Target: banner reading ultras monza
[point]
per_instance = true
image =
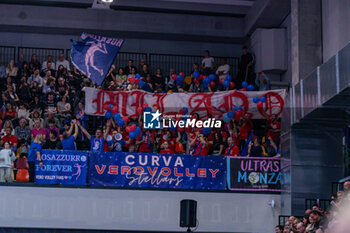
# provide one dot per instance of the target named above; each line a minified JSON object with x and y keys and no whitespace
{"x":205,"y":104}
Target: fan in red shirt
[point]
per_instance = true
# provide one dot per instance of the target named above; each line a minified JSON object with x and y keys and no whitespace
{"x":200,"y":145}
{"x":246,"y":127}
{"x":145,"y":141}
{"x":9,"y":138}
{"x":232,"y":149}
{"x":274,"y":127}
{"x":169,"y":137}
{"x":165,"y":148}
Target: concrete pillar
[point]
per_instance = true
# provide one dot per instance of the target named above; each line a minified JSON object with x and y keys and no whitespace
{"x":306,"y":33}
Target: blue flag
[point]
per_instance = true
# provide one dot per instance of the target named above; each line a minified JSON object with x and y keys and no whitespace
{"x":94,"y":55}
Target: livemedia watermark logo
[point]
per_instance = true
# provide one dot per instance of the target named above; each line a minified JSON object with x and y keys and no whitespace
{"x":153,"y":120}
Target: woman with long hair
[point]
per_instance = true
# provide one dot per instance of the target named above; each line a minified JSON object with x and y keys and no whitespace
{"x":34,"y":154}
{"x":11,"y":69}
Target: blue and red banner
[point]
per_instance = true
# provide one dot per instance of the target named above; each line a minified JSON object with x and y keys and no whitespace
{"x":62,"y":167}
{"x":149,"y":170}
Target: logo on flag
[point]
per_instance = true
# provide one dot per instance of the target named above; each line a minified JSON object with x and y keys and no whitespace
{"x":151,"y":120}
{"x":94,"y":55}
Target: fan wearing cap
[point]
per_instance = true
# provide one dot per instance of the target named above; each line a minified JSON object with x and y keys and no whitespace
{"x":116,"y":142}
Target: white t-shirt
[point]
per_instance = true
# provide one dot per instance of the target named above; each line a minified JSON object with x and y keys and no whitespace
{"x":223,"y":68}
{"x":8,"y":157}
{"x":208,"y":62}
{"x":64,"y":63}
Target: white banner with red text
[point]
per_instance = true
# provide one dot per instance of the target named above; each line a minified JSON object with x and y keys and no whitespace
{"x":212,"y":104}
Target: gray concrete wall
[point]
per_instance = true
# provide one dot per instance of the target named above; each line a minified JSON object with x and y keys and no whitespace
{"x":137,"y":210}
{"x":335,"y":24}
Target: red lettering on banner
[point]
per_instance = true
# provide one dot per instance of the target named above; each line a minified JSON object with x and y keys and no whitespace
{"x":273,"y":101}
{"x":166,"y":171}
{"x":159,"y":101}
{"x":125,"y":169}
{"x":213,"y":172}
{"x":188,"y":173}
{"x":202,"y":102}
{"x":100,"y":171}
{"x":152,"y":172}
{"x":139,"y":99}
{"x":177,"y":174}
{"x":113,"y":170}
{"x":202,"y":172}
{"x":240,"y":100}
{"x":99,"y":102}
{"x":136,"y":172}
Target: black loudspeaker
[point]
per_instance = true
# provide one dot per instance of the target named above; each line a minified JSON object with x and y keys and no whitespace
{"x":188,"y":213}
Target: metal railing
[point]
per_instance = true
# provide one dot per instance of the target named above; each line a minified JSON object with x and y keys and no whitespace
{"x":181,"y":63}
{"x":41,"y":53}
{"x":322,"y":203}
{"x":6,"y":54}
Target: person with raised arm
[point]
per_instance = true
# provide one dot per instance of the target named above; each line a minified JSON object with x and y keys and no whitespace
{"x":97,"y":142}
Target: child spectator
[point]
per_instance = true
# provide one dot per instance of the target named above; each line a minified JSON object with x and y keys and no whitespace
{"x":6,"y":158}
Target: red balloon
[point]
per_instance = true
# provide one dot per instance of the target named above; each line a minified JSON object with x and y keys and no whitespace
{"x":139,"y":110}
{"x":114,"y":109}
{"x":128,"y":129}
{"x":131,"y":79}
{"x":145,"y":105}
{"x":238,"y":115}
{"x":222,"y":81}
{"x":182,"y":74}
{"x":173,"y":76}
{"x":260,"y":105}
{"x":212,"y":84}
{"x":126,"y":119}
{"x":137,"y":81}
{"x":196,"y":81}
{"x":133,"y":127}
{"x":201,"y":76}
{"x":232,"y":85}
{"x":182,"y":111}
{"x":106,"y":107}
{"x":244,"y":89}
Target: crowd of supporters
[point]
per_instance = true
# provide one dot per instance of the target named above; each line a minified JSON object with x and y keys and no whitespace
{"x":317,"y":220}
{"x":42,"y":107}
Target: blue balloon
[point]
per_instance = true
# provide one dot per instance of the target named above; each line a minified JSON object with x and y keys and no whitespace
{"x":179,"y":77}
{"x":141,"y":83}
{"x":228,"y":78}
{"x":244,"y":84}
{"x":226,"y":83}
{"x":205,"y":85}
{"x":250,"y":87}
{"x":186,"y":109}
{"x":212,"y":77}
{"x":256,"y":99}
{"x":108,"y":114}
{"x":230,"y":114}
{"x":120,"y":122}
{"x":263,"y":99}
{"x":137,"y":130}
{"x":206,"y":130}
{"x":147,"y":109}
{"x":178,"y":81}
{"x":138,"y":76}
{"x":237,"y":108}
{"x":116,"y":116}
{"x":172,"y":127}
{"x":196,"y":74}
{"x":206,"y":81}
{"x":132,"y":134}
{"x":225,"y":118}
{"x":110,"y":105}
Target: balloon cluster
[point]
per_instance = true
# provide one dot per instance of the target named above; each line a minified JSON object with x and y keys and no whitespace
{"x":133,"y":131}
{"x":209,"y":80}
{"x":144,"y":108}
{"x":247,"y":87}
{"x":259,"y":101}
{"x":236,"y":113}
{"x":178,"y":78}
{"x":137,"y":80}
{"x":227,"y":82}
